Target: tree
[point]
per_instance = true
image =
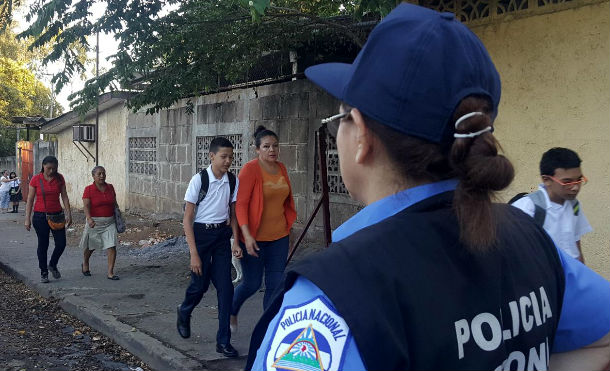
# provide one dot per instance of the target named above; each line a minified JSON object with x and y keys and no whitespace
{"x":21,"y":93}
{"x":6,"y":12}
{"x":180,"y":49}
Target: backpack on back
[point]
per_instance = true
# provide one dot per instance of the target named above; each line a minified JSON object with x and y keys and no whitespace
{"x":205,"y":185}
{"x":540,"y":205}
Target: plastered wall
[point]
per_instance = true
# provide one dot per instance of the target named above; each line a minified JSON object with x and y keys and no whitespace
{"x":76,"y":168}
{"x":555,"y":77}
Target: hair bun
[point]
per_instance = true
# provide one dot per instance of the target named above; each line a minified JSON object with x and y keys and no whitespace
{"x":259,"y":129}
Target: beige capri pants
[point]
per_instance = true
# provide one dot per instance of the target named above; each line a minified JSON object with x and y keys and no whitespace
{"x":102,"y":236}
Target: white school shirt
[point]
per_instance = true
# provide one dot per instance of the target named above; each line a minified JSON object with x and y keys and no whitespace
{"x":215,"y":206}
{"x":560,"y":223}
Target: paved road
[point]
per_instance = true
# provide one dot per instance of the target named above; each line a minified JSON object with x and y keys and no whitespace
{"x":138,"y":311}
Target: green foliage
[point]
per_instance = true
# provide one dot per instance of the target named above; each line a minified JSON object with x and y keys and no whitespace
{"x":21,"y":93}
{"x":176,"y":49}
{"x":6,"y":12}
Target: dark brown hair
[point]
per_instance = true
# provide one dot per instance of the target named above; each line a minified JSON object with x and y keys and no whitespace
{"x":474,"y":161}
{"x":51,"y":160}
{"x":262,"y":132}
{"x":482,"y":172}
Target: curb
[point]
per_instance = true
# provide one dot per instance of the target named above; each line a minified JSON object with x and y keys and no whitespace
{"x":150,"y":350}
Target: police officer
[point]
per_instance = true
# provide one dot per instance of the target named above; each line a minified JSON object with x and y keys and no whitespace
{"x":430,"y":274}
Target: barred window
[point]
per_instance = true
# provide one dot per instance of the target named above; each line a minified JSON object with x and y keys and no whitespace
{"x":143,"y":155}
{"x":203,"y":148}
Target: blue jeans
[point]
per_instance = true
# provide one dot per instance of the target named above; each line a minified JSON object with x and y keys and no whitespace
{"x":272,"y":260}
{"x":214,"y":249}
{"x":39,"y":222}
{"x":5,"y":198}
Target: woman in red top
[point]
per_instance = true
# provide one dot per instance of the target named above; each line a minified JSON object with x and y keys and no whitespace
{"x":99,"y":200}
{"x":47,"y":203}
{"x":265,"y":212}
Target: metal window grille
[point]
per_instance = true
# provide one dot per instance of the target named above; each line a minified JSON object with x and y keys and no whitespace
{"x":471,"y":10}
{"x":203,"y":148}
{"x":335,"y":181}
{"x":143,"y":155}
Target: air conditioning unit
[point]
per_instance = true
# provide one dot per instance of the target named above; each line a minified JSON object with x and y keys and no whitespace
{"x":83,"y":133}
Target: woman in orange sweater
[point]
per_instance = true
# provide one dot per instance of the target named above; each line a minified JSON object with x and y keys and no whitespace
{"x":265,"y":213}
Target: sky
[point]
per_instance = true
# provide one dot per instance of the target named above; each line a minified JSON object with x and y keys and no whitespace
{"x":108,"y":46}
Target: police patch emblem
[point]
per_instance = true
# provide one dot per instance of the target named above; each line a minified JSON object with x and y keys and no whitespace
{"x":310,"y":337}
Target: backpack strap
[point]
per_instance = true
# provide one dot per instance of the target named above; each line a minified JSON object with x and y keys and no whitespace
{"x":576,"y":207}
{"x":517,"y":197}
{"x":540,"y":207}
{"x":205,"y":185}
{"x":232,"y":183}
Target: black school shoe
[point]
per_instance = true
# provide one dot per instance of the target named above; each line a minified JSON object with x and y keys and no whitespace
{"x":227,"y":350}
{"x":44,"y":277}
{"x":183,"y":325}
{"x":55,"y":272}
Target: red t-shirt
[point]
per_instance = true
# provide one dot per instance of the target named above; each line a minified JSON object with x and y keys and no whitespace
{"x":102,"y":203}
{"x":52,"y":191}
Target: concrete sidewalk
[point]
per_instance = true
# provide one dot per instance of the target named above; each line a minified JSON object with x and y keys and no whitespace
{"x":138,"y":311}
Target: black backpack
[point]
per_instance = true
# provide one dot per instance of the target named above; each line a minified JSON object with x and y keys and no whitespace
{"x":540,"y":205}
{"x":205,"y":185}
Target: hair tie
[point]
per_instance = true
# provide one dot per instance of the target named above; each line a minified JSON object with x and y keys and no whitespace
{"x":476,"y":133}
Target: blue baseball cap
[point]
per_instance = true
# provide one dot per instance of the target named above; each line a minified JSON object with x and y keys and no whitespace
{"x":415,"y":68}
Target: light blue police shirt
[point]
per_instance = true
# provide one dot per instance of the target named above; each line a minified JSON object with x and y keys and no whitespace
{"x":585,"y":315}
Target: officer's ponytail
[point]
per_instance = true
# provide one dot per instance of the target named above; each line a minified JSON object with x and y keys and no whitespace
{"x":473,"y":160}
{"x":481,"y":170}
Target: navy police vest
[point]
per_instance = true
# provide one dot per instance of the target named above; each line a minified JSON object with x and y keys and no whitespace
{"x":415,"y":298}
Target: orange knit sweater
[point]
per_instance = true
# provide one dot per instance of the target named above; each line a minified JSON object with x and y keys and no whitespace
{"x":249,"y":205}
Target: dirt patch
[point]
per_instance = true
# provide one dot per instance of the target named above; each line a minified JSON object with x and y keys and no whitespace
{"x":151,"y":238}
{"x":141,"y":231}
{"x":35,"y":333}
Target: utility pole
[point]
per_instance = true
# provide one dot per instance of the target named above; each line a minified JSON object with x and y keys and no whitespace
{"x":52,"y":101}
{"x":52,"y":105}
{"x":97,"y":98}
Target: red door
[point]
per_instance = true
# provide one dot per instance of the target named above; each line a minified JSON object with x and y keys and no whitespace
{"x":25,"y":161}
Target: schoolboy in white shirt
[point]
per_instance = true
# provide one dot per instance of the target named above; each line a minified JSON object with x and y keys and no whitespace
{"x":209,"y":222}
{"x":562,"y":179}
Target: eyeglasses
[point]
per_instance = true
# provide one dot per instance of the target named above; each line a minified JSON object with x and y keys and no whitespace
{"x":334,"y":121}
{"x":582,"y":181}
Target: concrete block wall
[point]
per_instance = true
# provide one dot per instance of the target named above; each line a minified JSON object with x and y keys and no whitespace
{"x":8,"y":163}
{"x":292,"y":109}
{"x":43,"y":149}
{"x":142,"y":189}
{"x":174,"y":159}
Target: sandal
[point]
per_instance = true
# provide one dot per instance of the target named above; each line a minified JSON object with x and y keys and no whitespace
{"x":114,"y":278}
{"x":85,"y":273}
